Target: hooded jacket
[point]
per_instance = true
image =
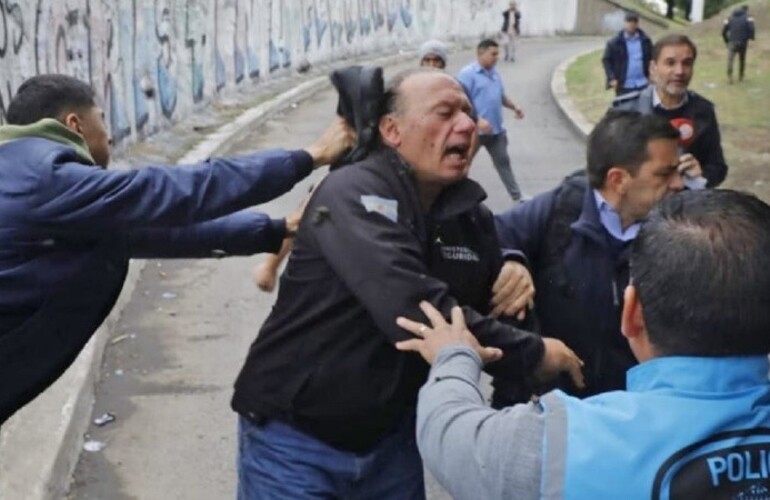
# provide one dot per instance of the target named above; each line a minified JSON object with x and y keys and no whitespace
{"x":68,"y":229}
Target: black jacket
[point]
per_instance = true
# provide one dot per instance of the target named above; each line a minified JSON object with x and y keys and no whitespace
{"x":738,"y":28}
{"x":580,"y":273}
{"x":615,"y":58}
{"x":706,"y":144}
{"x":365,"y":253}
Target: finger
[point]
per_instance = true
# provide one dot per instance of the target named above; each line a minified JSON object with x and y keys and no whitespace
{"x":576,"y":374}
{"x":490,"y":354}
{"x":458,"y":318}
{"x":413,"y":345}
{"x":522,"y":315}
{"x":433,"y":314}
{"x":507,"y":290}
{"x":518,"y":303}
{"x":412,"y":327}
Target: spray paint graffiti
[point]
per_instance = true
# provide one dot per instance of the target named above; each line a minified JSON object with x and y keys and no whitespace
{"x":153,"y":61}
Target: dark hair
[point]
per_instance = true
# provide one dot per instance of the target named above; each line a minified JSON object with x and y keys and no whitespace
{"x":48,"y":96}
{"x":632,"y":16}
{"x":701,"y":267}
{"x":620,"y":140}
{"x":672,"y":40}
{"x":486,"y":43}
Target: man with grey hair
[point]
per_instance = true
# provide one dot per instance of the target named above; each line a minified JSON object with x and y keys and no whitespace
{"x":325,"y":399}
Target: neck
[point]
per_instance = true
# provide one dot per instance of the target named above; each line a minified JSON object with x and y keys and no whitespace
{"x":668,"y":100}
{"x":616,"y":202}
{"x":428,"y":194}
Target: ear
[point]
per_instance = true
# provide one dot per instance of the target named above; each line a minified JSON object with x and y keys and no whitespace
{"x":389,"y":131}
{"x":632,"y":320}
{"x":72,"y":122}
{"x":616,"y":180}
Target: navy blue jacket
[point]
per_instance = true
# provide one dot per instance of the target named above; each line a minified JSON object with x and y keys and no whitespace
{"x":579,"y":291}
{"x":615,"y":58}
{"x":68,"y":229}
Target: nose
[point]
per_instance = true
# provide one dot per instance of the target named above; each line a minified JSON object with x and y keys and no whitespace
{"x":677,"y":183}
{"x":465,"y":123}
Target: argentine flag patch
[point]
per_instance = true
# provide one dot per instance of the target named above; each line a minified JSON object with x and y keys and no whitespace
{"x":383,"y":206}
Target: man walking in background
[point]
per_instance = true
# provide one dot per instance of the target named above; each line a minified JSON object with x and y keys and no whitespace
{"x":627,"y":57}
{"x":484,"y":86}
{"x":737,"y":30}
{"x":510,"y":30}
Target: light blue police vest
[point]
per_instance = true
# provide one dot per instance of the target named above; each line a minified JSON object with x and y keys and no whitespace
{"x":690,"y":428}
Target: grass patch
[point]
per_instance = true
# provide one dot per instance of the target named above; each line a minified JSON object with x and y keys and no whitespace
{"x":743,"y":109}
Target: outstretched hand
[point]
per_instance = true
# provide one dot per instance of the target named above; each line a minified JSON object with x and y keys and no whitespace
{"x":333,"y":143}
{"x":442,"y":334}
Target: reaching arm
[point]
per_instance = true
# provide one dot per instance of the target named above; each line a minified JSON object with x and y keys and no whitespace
{"x":242,"y":233}
{"x":78,"y":198}
{"x":472,"y":450}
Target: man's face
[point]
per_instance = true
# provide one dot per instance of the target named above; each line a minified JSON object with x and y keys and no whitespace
{"x":673,"y":69}
{"x":432,"y":129}
{"x":433,"y":61}
{"x":94,"y":132}
{"x":631,"y":27}
{"x":656,"y":178}
{"x":488,"y":57}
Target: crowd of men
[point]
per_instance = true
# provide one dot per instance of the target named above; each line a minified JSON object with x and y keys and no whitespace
{"x":623,"y":315}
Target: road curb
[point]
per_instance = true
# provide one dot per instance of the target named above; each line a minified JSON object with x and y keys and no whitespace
{"x":40,"y":445}
{"x":564,"y":102}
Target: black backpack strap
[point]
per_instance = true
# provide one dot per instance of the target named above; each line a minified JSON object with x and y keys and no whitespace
{"x":558,"y":234}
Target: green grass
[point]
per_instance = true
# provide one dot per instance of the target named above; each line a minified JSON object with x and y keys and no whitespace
{"x":743,"y":109}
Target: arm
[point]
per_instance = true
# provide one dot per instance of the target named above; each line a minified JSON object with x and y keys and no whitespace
{"x":242,"y":233}
{"x":725,"y":30}
{"x":381,"y":260}
{"x":472,"y":450}
{"x":607,"y":63}
{"x":713,"y":162}
{"x":751,"y":28}
{"x":75,"y":197}
{"x":510,"y":105}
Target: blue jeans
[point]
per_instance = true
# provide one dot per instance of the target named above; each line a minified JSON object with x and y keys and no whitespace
{"x":497,"y":147}
{"x":277,"y":461}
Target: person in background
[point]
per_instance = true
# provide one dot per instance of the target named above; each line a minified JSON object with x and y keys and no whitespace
{"x":510,"y":30}
{"x":626,"y":58}
{"x":737,"y":30}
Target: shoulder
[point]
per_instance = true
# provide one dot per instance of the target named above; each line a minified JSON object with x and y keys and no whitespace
{"x":373,"y":175}
{"x":698,"y":100}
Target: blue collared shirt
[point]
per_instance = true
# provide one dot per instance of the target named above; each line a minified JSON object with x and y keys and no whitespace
{"x":635,"y":70}
{"x":485,"y":89}
{"x":610,"y":219}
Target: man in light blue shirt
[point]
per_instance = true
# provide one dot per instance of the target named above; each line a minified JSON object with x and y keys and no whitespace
{"x":484,"y":86}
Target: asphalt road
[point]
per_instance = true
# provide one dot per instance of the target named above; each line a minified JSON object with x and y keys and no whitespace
{"x":168,"y":371}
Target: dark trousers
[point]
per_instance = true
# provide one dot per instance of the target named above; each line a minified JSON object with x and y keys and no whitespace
{"x":734,"y":48}
{"x":497,"y":147}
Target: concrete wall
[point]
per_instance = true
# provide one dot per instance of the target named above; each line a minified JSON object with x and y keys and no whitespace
{"x":152,"y":62}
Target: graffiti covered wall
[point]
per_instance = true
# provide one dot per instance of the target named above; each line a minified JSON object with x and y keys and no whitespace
{"x":152,"y":62}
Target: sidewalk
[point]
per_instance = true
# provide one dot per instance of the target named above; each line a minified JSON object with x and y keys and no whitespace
{"x":40,"y":445}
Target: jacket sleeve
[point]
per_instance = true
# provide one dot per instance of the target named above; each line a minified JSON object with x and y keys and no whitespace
{"x":75,"y":197}
{"x":381,"y":259}
{"x":242,"y":233}
{"x":607,"y":62}
{"x":725,"y":30}
{"x":523,"y":227}
{"x":472,"y":450}
{"x":713,"y":163}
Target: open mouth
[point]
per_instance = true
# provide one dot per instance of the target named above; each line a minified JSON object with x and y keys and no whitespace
{"x":459,"y":151}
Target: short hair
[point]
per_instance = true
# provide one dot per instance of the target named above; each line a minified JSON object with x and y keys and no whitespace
{"x":620,"y":139}
{"x":392,"y":100}
{"x":701,"y":267}
{"x":48,"y":96}
{"x":672,"y":40}
{"x":485,"y":44}
{"x":631,"y":16}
